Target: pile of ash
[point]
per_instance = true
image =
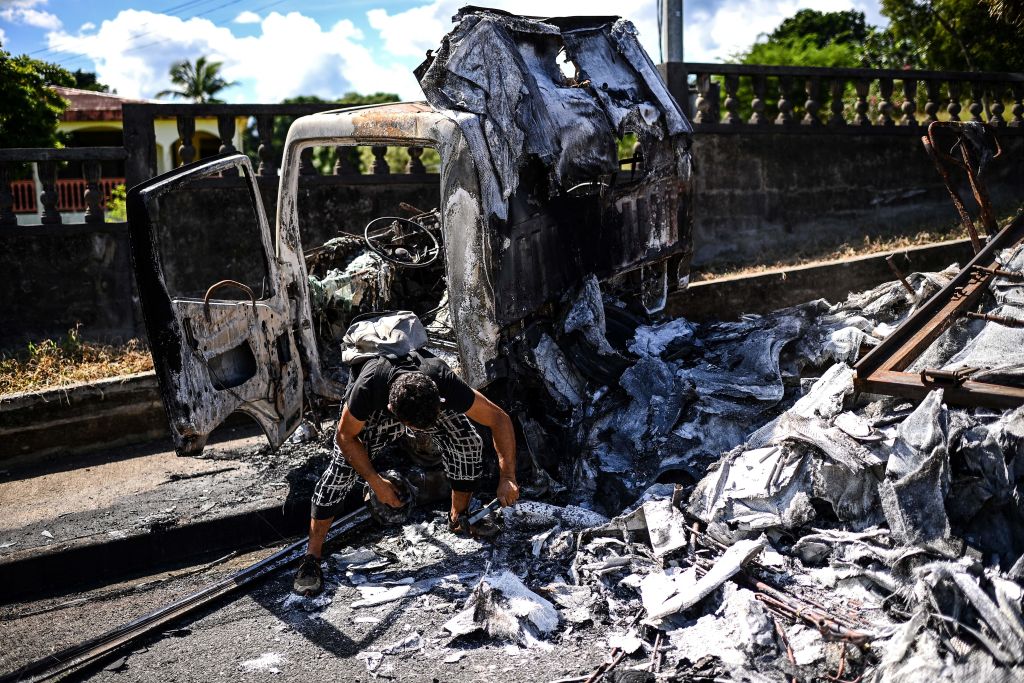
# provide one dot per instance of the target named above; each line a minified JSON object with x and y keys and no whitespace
{"x":735,"y":511}
{"x":808,"y":530}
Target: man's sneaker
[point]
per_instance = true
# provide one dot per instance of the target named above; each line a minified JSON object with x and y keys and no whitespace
{"x":309,"y":580}
{"x":485,"y":530}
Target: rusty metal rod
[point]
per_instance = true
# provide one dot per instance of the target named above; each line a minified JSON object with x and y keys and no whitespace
{"x":958,"y":203}
{"x":847,"y":621}
{"x":1001,"y":319}
{"x":654,"y":655}
{"x":605,"y":667}
{"x":1008,"y":274}
{"x":827,"y":625}
{"x":891,"y":262}
{"x":789,"y":649}
{"x":967,"y":165}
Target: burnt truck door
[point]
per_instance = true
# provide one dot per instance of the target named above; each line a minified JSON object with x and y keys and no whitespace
{"x":215,"y":300}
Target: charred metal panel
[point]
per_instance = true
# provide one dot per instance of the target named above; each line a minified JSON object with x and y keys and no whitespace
{"x":545,"y":146}
{"x":214,"y":356}
{"x":467,"y":241}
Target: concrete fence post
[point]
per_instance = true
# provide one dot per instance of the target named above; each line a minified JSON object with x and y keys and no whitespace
{"x":139,"y":142}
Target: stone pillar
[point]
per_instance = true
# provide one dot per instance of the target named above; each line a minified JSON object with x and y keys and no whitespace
{"x":93,"y":193}
{"x":226,"y":132}
{"x":48,"y":199}
{"x":380,"y":164}
{"x":7,"y":215}
{"x":265,"y":128}
{"x":415,"y":165}
{"x":186,"y":131}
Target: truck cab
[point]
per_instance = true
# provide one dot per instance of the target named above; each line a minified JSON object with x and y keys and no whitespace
{"x":510,"y":251}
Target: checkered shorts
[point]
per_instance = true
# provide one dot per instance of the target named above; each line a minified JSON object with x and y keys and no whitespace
{"x":453,"y":437}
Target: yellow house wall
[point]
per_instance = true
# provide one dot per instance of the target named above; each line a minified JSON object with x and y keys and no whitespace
{"x":166,"y":133}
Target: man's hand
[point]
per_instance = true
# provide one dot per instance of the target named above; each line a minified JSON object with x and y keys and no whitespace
{"x":484,"y":412}
{"x":387,"y":493}
{"x":508,"y":491}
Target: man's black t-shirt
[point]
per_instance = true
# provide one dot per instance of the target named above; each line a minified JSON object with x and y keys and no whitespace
{"x":368,"y":392}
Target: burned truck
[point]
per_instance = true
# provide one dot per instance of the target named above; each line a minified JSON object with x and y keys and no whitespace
{"x":527,"y":116}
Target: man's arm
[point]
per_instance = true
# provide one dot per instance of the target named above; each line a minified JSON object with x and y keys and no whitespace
{"x":484,"y":412}
{"x":349,"y":428}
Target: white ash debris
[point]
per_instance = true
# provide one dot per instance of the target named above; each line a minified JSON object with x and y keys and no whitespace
{"x":691,"y":590}
{"x":564,"y":384}
{"x":901,"y":521}
{"x":504,"y":608}
{"x":736,"y":633}
{"x":587,"y":316}
{"x":374,"y":594}
{"x":268,"y":661}
{"x":529,"y":514}
{"x":653,"y":340}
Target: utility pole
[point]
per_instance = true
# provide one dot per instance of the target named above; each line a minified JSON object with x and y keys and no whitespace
{"x":672,"y":30}
{"x":673,"y":68}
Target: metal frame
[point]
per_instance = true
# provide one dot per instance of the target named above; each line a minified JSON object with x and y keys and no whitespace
{"x":882,"y":370}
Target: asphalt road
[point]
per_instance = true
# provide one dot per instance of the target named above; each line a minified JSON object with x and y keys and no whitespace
{"x":268,"y":633}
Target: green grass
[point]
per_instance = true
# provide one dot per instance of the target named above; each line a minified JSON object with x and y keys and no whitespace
{"x":51,"y":363}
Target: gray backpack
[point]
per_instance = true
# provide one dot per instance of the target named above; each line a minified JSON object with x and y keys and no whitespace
{"x":391,"y":334}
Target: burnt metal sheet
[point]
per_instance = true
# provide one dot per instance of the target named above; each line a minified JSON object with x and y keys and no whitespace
{"x":214,"y":356}
{"x":544,"y":140}
{"x":882,"y":371}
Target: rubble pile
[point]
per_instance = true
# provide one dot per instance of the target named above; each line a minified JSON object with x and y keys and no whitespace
{"x":801,"y":530}
{"x":897,"y":525}
{"x":690,"y":392}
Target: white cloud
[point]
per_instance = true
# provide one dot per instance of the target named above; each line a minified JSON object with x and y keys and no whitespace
{"x":86,"y":27}
{"x":414,"y":31}
{"x":24,"y":12}
{"x":3,"y":37}
{"x":247,"y":17}
{"x":292,"y":55}
{"x":713,"y":29}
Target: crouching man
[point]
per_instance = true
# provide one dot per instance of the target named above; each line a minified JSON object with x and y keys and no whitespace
{"x":387,"y":399}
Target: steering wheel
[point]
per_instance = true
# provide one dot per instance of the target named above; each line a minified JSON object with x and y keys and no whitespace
{"x":401,"y":241}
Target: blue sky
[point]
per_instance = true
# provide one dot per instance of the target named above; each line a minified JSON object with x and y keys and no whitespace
{"x":282,"y":48}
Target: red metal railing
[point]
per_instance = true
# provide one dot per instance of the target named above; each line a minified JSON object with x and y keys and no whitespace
{"x":70,"y":193}
{"x":24,"y":192}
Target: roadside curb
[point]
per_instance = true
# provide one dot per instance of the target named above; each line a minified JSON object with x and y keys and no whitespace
{"x":82,"y":417}
{"x":64,"y":567}
{"x":730,"y":297}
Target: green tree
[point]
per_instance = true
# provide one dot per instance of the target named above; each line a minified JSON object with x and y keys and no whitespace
{"x":86,"y":80}
{"x":199,"y":82}
{"x":1009,"y":11}
{"x":30,"y":109}
{"x":822,"y":28}
{"x":812,"y":38}
{"x":957,"y":34}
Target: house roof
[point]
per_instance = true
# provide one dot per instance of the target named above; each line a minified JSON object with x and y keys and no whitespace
{"x":88,"y":105}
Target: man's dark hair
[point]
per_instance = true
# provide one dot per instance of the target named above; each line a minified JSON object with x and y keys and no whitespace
{"x":414,"y":400}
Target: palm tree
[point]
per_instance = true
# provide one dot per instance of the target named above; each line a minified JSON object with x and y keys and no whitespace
{"x":198,"y":82}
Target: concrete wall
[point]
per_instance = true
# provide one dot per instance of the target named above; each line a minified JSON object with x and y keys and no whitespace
{"x":52,"y":277}
{"x":760,"y":196}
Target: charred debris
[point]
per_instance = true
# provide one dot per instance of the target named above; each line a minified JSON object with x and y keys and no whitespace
{"x":724,"y":501}
{"x":825,"y":492}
